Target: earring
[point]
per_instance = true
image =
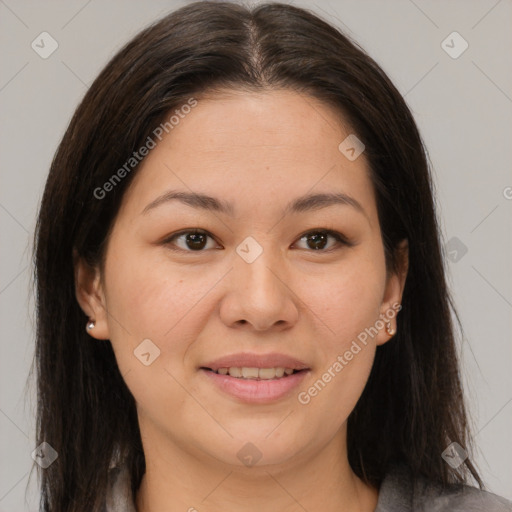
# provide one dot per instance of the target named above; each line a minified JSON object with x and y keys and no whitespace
{"x":90,"y":325}
{"x":389,"y":329}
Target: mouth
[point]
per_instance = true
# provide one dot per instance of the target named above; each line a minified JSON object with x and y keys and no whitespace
{"x":252,"y":378}
{"x":253,"y":373}
{"x":255,"y":386}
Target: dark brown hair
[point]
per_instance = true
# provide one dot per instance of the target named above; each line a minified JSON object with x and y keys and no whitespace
{"x":412,"y":406}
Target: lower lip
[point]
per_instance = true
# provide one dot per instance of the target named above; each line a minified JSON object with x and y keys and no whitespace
{"x":256,"y":391}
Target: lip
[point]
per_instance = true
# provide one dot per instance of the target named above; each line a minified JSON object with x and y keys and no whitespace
{"x":248,"y":360}
{"x":252,"y":391}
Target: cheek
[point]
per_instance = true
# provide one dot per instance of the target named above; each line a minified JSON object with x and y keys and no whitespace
{"x":346,"y":350}
{"x":148,"y":299}
{"x":348,"y":306}
{"x":151,"y":297}
{"x":347,"y":301}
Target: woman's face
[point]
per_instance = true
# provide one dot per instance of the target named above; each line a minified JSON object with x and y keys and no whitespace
{"x":261,"y":278}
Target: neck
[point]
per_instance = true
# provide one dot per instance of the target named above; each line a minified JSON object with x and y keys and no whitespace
{"x":176,"y":480}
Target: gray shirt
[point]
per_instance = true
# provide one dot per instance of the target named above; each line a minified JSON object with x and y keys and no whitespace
{"x":399,"y":492}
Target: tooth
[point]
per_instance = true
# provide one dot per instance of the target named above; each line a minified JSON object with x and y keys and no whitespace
{"x":250,"y":373}
{"x":267,"y":373}
{"x":255,"y":373}
{"x":234,"y":371}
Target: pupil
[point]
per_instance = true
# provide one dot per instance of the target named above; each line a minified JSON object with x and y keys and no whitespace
{"x":318,"y":239}
{"x":194,"y":240}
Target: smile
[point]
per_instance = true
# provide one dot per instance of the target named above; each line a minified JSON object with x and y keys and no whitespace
{"x":255,"y":373}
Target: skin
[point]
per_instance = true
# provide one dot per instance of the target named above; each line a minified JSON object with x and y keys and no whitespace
{"x":258,"y":151}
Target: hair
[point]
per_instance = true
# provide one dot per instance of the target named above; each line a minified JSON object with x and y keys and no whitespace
{"x":412,"y":406}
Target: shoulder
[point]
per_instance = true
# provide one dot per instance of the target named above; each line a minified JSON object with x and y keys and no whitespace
{"x":399,"y":492}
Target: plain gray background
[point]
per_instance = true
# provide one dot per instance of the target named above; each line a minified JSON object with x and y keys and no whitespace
{"x":463,"y":107}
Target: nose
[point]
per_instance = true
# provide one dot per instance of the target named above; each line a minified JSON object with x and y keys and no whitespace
{"x":260,"y":296}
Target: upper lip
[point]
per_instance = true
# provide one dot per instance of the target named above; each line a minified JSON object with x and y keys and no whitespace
{"x":247,"y":360}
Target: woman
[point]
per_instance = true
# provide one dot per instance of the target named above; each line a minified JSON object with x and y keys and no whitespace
{"x":241,"y":296}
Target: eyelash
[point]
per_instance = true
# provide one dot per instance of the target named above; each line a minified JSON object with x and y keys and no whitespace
{"x":337,"y":236}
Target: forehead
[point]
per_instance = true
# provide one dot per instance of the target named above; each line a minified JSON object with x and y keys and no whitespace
{"x":237,"y":121}
{"x":253,"y":149}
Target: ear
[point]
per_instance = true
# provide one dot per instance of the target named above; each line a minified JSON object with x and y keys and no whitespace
{"x":392,"y":300}
{"x":89,"y":294}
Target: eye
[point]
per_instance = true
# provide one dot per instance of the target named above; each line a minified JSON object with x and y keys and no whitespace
{"x":317,"y":239}
{"x":196,"y":240}
{"x":193,"y":240}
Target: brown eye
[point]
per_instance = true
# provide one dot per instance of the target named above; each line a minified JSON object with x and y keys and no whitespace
{"x":192,"y":240}
{"x":318,"y":240}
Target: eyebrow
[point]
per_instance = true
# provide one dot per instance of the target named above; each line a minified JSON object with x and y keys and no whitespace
{"x":301,"y":204}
